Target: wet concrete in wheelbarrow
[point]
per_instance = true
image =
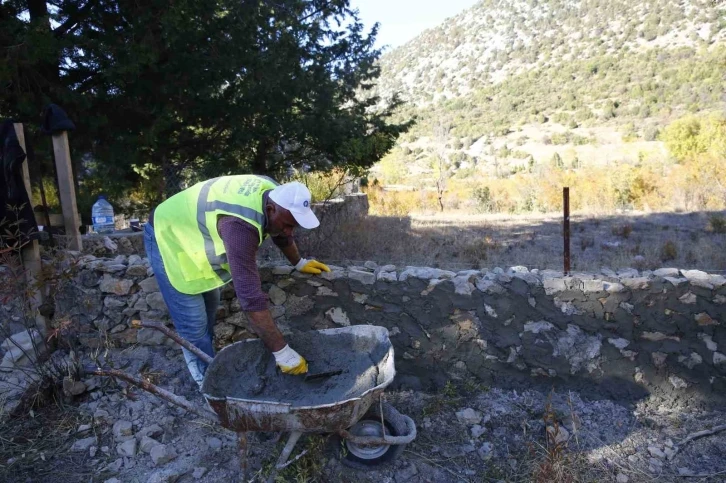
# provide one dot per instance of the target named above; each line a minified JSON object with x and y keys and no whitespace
{"x":247,"y":370}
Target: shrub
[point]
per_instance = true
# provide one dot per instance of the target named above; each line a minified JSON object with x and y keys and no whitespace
{"x":717,"y":223}
{"x":668,"y":251}
{"x":623,"y":231}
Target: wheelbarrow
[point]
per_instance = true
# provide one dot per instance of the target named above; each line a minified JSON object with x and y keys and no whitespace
{"x":372,"y":431}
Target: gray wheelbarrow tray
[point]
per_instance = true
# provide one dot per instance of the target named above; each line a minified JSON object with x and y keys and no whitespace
{"x":243,"y":415}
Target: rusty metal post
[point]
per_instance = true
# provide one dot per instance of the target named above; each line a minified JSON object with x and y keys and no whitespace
{"x":566,"y":228}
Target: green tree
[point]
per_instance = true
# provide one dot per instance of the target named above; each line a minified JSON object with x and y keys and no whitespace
{"x":199,"y":88}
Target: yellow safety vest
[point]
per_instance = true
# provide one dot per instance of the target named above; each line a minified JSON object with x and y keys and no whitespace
{"x":185,"y":226}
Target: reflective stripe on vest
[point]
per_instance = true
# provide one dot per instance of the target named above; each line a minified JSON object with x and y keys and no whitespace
{"x":203,"y":207}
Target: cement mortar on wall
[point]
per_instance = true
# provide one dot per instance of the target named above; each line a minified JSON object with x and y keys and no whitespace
{"x":623,"y":335}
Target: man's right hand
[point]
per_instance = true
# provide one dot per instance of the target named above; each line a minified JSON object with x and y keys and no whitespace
{"x":290,"y":362}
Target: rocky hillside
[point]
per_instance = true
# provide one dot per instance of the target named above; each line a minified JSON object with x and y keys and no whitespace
{"x":497,"y":39}
{"x":505,"y":86}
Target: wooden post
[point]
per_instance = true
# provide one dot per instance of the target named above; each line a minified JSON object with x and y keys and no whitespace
{"x":31,"y":252}
{"x":66,"y":189}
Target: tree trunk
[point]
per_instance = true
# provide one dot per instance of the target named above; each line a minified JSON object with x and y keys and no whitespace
{"x":259,"y":162}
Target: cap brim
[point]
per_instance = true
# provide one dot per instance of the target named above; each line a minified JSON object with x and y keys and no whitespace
{"x":306,"y":219}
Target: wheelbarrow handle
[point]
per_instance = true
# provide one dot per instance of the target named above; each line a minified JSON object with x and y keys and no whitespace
{"x":175,"y":337}
{"x":386,"y":439}
{"x":154,"y":389}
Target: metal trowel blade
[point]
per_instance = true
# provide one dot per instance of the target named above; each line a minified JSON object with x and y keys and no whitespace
{"x":313,"y":376}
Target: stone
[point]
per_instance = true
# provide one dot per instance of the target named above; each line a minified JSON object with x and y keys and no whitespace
{"x":677,"y":382}
{"x":462,"y":285}
{"x":666,"y":272}
{"x":156,"y":301}
{"x":19,"y":347}
{"x":149,"y":285}
{"x":215,"y":444}
{"x":199,"y":472}
{"x":719,"y":359}
{"x":277,"y":295}
{"x":115,"y":286}
{"x":621,"y":478}
{"x":282,"y":270}
{"x":100,"y":416}
{"x":593,"y":286}
{"x":688,"y":298}
{"x":469,"y":416}
{"x":298,"y":305}
{"x":127,"y":448}
{"x":73,"y":388}
{"x":656,"y":452}
{"x":703,"y":319}
{"x":619,"y":343}
{"x":406,"y":473}
{"x":359,"y":298}
{"x":167,"y":475}
{"x":387,"y":276}
{"x":122,"y":430}
{"x":580,"y":350}
{"x":162,"y":454}
{"x":338,"y":316}
{"x":334,"y":273}
{"x":554,"y":285}
{"x":366,"y":278}
{"x":537,"y":327}
{"x":146,"y":336}
{"x":558,"y":435}
{"x":698,"y":278}
{"x":638,"y":283}
{"x":83,"y":445}
{"x":485,"y":451}
{"x":136,"y":271}
{"x":708,"y":340}
{"x":477,"y":430}
{"x":223,"y":331}
{"x":153,"y":431}
{"x":324,"y":291}
{"x":658,"y":336}
{"x":691,"y":361}
{"x":147,"y":444}
{"x":425,"y":273}
{"x":659,"y":358}
{"x":370,"y":265}
{"x":490,"y":311}
{"x":489,"y":287}
{"x":628,"y":273}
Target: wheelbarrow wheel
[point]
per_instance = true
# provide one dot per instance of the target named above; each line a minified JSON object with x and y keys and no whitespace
{"x":365,"y":457}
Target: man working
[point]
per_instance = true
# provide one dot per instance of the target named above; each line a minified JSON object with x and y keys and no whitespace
{"x":205,"y":236}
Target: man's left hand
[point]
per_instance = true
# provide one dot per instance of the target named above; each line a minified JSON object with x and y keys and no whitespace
{"x":311,"y":266}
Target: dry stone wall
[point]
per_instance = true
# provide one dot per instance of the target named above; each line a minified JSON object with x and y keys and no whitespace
{"x":622,"y":335}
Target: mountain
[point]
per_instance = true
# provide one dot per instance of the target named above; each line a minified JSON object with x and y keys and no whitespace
{"x":507,"y":84}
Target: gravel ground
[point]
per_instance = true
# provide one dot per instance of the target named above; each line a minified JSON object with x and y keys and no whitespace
{"x":466,"y":433}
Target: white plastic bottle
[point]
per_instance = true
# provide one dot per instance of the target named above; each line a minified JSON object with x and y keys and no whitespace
{"x":102,"y":216}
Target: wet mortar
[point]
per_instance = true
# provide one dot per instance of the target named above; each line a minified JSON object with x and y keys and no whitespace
{"x":247,"y":370}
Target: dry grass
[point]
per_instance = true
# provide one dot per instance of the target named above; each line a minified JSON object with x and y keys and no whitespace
{"x":457,"y":242}
{"x":35,"y":447}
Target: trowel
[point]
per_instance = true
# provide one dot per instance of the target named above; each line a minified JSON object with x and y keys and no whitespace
{"x":316,"y":373}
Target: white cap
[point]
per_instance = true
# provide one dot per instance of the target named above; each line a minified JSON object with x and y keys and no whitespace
{"x":295,"y":197}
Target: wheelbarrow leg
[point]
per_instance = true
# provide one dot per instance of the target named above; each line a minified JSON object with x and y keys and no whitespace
{"x":286,"y":452}
{"x":242,"y":444}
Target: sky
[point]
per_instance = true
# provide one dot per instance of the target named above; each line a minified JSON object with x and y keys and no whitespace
{"x":402,"y":20}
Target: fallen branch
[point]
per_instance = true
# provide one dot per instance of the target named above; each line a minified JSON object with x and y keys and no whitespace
{"x":699,"y":434}
{"x":703,"y":475}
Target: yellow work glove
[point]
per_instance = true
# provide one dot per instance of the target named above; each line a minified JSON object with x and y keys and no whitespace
{"x":290,"y":362}
{"x":311,"y":266}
